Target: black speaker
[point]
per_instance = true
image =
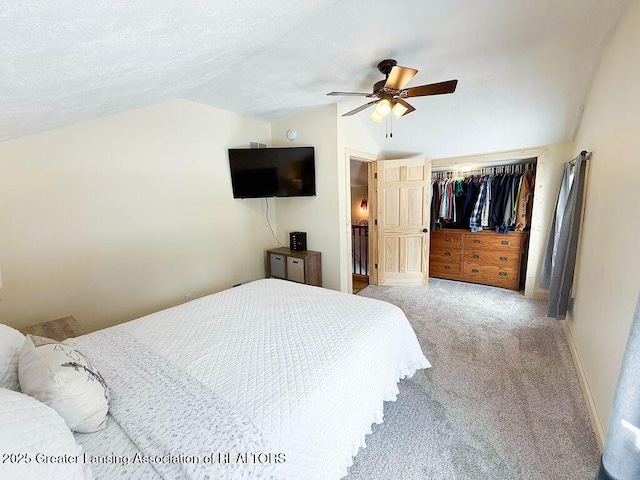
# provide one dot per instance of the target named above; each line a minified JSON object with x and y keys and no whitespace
{"x":298,"y":241}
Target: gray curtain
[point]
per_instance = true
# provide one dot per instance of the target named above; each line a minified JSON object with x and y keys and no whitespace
{"x":560,"y":258}
{"x":621,"y":458}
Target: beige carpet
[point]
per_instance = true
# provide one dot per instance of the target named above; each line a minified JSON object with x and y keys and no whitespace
{"x":502,"y":400}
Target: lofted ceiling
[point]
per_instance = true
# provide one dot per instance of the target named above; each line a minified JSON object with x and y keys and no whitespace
{"x":524,"y":66}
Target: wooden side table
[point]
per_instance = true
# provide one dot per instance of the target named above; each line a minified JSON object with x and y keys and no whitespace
{"x":297,"y":266}
{"x":58,"y":330}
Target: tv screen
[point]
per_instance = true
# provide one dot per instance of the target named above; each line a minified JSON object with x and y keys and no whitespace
{"x":272,"y":172}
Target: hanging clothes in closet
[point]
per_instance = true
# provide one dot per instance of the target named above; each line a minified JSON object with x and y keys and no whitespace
{"x":497,"y":198}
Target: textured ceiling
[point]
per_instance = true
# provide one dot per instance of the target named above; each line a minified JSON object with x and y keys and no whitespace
{"x":524,"y":66}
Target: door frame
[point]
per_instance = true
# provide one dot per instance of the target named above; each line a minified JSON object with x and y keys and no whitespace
{"x":359,"y":156}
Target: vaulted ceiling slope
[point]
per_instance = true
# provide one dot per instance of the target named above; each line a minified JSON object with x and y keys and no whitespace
{"x":524,"y":66}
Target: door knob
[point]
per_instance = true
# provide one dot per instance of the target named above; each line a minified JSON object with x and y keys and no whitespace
{"x":424,"y":230}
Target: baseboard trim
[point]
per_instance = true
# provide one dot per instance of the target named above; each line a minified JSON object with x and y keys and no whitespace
{"x":540,"y":293}
{"x":596,"y":424}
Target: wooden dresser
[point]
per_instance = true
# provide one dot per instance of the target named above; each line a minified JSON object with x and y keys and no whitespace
{"x":483,"y":257}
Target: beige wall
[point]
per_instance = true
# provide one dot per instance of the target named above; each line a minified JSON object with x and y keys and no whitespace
{"x":608,"y":278}
{"x":357,"y":194}
{"x":548,"y":177}
{"x":122,"y":216}
{"x":325,"y":217}
{"x":359,"y":176}
{"x":318,"y":216}
{"x":354,"y":141}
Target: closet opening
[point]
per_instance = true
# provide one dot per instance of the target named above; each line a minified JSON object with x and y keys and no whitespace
{"x":481,"y":217}
{"x":360,"y":206}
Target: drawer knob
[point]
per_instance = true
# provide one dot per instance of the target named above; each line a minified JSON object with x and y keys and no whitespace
{"x":475,"y":255}
{"x":447,"y":267}
{"x":506,"y":242}
{"x":448,"y":253}
{"x":503,"y":274}
{"x":448,"y":239}
{"x":475,"y":270}
{"x":504,"y":259}
{"x":475,"y":240}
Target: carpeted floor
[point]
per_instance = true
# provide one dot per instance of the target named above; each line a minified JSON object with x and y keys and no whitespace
{"x":502,"y":400}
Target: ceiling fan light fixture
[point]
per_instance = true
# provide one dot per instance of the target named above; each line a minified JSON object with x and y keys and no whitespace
{"x":390,"y":93}
{"x":383,"y":108}
{"x":375,"y":116}
{"x":399,"y":109}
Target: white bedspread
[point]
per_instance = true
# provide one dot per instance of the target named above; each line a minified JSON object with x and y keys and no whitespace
{"x":309,"y":367}
{"x":175,"y":422}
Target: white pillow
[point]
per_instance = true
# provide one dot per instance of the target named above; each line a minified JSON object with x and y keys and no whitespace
{"x":31,"y":434}
{"x":11,"y":341}
{"x":63,"y":378}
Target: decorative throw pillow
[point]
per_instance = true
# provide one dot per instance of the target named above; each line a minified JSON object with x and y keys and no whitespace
{"x":11,"y":341}
{"x":32,"y":435}
{"x":63,"y":378}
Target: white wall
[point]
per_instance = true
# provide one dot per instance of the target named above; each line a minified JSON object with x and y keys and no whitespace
{"x":608,"y":278}
{"x":122,"y":216}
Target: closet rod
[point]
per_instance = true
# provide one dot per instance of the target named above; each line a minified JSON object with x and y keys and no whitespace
{"x":494,"y":169}
{"x":583,"y":153}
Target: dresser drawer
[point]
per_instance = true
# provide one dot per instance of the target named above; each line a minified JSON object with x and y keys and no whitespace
{"x":499,"y":257}
{"x":440,"y":266}
{"x":445,"y":254}
{"x":492,"y":240}
{"x":446,"y":239}
{"x":492,"y":275}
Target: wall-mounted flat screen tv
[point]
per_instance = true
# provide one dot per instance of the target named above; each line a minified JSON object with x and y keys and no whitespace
{"x":272,"y":172}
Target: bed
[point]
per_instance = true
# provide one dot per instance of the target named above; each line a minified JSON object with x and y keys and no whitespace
{"x":271,"y":379}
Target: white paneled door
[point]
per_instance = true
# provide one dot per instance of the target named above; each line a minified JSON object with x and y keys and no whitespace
{"x":403,"y":221}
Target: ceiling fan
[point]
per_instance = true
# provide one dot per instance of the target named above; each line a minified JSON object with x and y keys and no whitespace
{"x":390,"y":92}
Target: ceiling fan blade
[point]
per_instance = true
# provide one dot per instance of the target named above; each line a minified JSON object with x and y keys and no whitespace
{"x":399,"y":77}
{"x":405,"y":105}
{"x":432,"y":89}
{"x":359,"y":109}
{"x":350,"y":94}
